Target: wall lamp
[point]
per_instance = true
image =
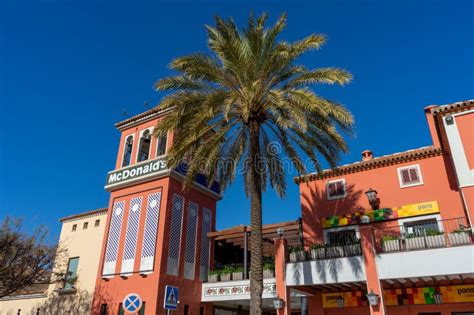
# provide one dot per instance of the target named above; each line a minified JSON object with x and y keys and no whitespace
{"x":278,"y":304}
{"x":372,"y":298}
{"x":280,"y":232}
{"x":373,"y":200}
{"x":340,"y":301}
{"x":438,"y":297}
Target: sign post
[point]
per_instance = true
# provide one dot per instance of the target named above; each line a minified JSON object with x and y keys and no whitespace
{"x":171,"y":299}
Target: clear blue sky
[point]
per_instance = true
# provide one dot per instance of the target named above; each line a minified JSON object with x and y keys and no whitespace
{"x":67,"y":69}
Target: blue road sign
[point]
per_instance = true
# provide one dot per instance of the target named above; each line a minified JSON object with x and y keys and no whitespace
{"x":171,"y":298}
{"x":132,"y":303}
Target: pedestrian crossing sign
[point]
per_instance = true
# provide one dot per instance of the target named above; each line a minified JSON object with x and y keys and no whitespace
{"x":171,"y":298}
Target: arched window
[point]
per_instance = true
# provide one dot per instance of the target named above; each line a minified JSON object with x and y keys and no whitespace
{"x":161,"y":146}
{"x":144,"y":148}
{"x":127,"y":151}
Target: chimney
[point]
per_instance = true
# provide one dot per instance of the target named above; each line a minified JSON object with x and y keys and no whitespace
{"x":367,"y":155}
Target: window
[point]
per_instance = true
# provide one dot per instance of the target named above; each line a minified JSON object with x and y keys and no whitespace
{"x":97,"y":223}
{"x":103,"y":309}
{"x":144,"y":147}
{"x":186,"y":309}
{"x":161,"y":146}
{"x":127,"y":151}
{"x":410,"y":176}
{"x":421,"y":227}
{"x":71,"y":274}
{"x":74,"y":227}
{"x":336,"y":189}
{"x":85,"y":225}
{"x":341,"y":237}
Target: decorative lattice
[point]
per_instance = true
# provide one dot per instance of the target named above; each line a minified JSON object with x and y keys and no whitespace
{"x":113,"y":237}
{"x":190,"y":252}
{"x":205,"y":242}
{"x":131,"y":234}
{"x":151,"y":225}
{"x":175,"y":234}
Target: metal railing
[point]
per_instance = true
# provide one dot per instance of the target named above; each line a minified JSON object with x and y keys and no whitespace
{"x":315,"y":249}
{"x":423,"y":235}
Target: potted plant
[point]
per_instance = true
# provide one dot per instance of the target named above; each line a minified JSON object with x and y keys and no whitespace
{"x":226,"y":273}
{"x":213,"y":275}
{"x":353,"y":248}
{"x":317,"y":252}
{"x":434,"y":238}
{"x":297,"y":253}
{"x":390,"y":243}
{"x":414,"y":241}
{"x":460,"y":236}
{"x":238,"y":273}
{"x":268,"y":270}
{"x":334,"y":251}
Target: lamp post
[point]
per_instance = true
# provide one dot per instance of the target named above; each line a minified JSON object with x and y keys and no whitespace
{"x":438,"y":298}
{"x":372,"y":298}
{"x":340,"y":301}
{"x":373,"y":200}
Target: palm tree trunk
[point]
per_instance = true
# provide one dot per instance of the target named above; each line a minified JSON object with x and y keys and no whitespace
{"x":256,"y":241}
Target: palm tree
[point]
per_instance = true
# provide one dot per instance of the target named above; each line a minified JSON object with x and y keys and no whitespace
{"x":228,"y":108}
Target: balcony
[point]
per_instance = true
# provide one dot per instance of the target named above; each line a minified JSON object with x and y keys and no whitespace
{"x":312,"y":262}
{"x":425,"y":250}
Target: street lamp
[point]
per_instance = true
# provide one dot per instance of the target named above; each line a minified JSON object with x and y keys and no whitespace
{"x":278,"y":304}
{"x":340,"y":301}
{"x":373,"y":200}
{"x":438,"y":297}
{"x":372,"y":298}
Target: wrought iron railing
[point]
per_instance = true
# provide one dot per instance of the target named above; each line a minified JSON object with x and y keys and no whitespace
{"x":301,"y":249}
{"x":423,"y":235}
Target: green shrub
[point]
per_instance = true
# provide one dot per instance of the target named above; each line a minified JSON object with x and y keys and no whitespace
{"x":387,"y":238}
{"x":317,"y":246}
{"x":461,"y":229}
{"x":238,"y":269}
{"x":433,"y":233}
{"x":227,"y":269}
{"x":214,"y":272}
{"x":297,"y":249}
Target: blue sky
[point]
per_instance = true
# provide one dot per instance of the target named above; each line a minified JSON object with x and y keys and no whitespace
{"x":68,"y":69}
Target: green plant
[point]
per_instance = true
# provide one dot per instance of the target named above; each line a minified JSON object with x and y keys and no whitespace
{"x":214,"y":272}
{"x":238,"y":269}
{"x":297,"y":249}
{"x":387,"y":238}
{"x":269,"y":266}
{"x":227,"y":269}
{"x":433,"y":233}
{"x":461,"y":229}
{"x":317,"y":246}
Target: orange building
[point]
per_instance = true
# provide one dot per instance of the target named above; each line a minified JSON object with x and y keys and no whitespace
{"x":156,"y":233}
{"x":397,"y":227}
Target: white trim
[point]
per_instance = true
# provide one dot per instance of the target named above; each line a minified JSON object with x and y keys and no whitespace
{"x":343,"y":180}
{"x":420,"y":176}
{"x":123,"y":149}
{"x":150,"y":130}
{"x":341,"y":228}
{"x":464,"y":174}
{"x":437,"y":217}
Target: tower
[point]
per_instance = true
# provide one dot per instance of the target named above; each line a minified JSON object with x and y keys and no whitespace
{"x":156,"y":232}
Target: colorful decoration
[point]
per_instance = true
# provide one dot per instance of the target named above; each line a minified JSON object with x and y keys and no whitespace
{"x":421,"y":296}
{"x":405,"y":296}
{"x":383,"y":214}
{"x":268,"y":288}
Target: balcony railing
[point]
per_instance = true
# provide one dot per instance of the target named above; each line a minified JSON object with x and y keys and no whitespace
{"x":423,"y":235}
{"x":315,"y":249}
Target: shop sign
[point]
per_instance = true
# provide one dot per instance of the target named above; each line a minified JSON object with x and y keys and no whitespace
{"x":136,"y":172}
{"x":351,"y":299}
{"x":383,"y":214}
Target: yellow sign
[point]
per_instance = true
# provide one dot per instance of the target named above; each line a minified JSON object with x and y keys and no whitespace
{"x":417,"y":209}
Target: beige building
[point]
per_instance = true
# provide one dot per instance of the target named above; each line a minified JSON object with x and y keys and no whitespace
{"x":80,"y":243}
